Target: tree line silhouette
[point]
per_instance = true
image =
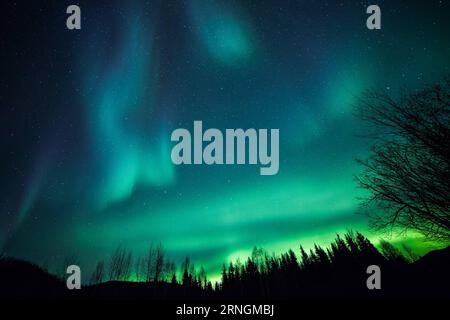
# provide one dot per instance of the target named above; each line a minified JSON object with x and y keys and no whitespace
{"x":335,"y":271}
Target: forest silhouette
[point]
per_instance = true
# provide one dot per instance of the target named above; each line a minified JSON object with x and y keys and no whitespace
{"x":335,"y":272}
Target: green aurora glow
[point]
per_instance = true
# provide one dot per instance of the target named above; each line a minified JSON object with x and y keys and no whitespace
{"x":104,"y":177}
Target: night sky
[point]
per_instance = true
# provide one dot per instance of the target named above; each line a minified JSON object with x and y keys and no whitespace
{"x":86,"y":119}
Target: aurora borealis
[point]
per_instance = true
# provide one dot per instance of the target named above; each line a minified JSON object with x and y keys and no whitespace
{"x":87,"y":116}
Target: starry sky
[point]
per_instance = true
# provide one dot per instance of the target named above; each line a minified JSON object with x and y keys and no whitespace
{"x":86,"y":118}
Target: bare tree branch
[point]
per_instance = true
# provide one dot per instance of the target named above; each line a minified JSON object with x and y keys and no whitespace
{"x":408,"y":172}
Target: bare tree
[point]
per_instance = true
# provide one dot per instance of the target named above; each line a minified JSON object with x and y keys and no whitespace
{"x":409,"y":253}
{"x":149,"y":263}
{"x":408,"y":172}
{"x":391,"y":253}
{"x":171,"y":271}
{"x":120,"y":266}
{"x":98,"y":274}
{"x":140,"y":269}
{"x":159,"y":263}
{"x":67,"y":261}
{"x":202,"y":277}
